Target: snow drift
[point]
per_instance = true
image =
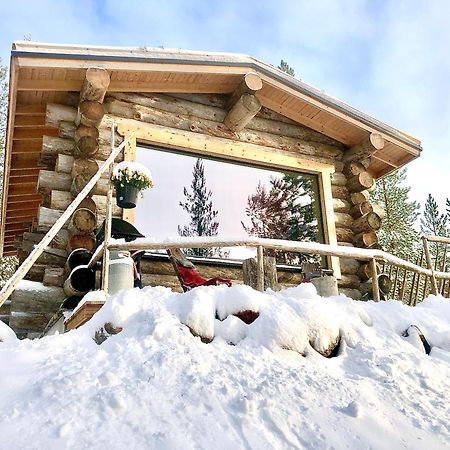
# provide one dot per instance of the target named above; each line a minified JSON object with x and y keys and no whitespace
{"x":258,"y":385}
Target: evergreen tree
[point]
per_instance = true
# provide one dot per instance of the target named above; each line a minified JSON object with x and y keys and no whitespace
{"x":285,"y":67}
{"x":284,"y":211}
{"x":7,"y":264}
{"x":199,"y":206}
{"x":397,"y":234}
{"x":433,"y":222}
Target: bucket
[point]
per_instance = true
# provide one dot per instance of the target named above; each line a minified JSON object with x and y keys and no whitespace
{"x":121,"y":271}
{"x":126,"y":196}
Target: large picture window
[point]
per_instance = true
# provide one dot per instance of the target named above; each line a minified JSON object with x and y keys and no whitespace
{"x":196,"y":196}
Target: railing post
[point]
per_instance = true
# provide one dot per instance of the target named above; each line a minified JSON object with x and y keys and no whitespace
{"x":430,"y":265}
{"x":108,"y":220}
{"x":375,"y":287}
{"x":259,"y":268}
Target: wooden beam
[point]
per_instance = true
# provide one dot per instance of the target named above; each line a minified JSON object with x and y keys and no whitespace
{"x":20,"y":206}
{"x":30,"y":84}
{"x":13,"y":173}
{"x":385,"y":160}
{"x":27,"y":146}
{"x":21,"y":134}
{"x":251,"y":83}
{"x":217,"y":147}
{"x":244,"y":105}
{"x":31,"y":110}
{"x":95,"y":85}
{"x":21,"y":189}
{"x":366,"y":148}
{"x":29,"y":121}
{"x":25,"y":160}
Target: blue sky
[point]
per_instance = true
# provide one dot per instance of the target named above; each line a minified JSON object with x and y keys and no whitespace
{"x":387,"y":58}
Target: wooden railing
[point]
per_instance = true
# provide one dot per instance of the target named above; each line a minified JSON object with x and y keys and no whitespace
{"x":410,"y":287}
{"x":23,"y":269}
{"x":373,"y":256}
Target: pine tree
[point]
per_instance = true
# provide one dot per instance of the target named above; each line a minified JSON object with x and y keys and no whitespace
{"x":397,"y":234}
{"x":433,"y":222}
{"x":7,"y":264}
{"x":284,"y":211}
{"x":285,"y":67}
{"x":199,"y":206}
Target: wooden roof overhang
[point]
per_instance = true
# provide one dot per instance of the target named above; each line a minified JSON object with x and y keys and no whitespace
{"x":46,"y":73}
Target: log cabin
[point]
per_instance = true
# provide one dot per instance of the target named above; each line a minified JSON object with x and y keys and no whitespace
{"x":230,"y":107}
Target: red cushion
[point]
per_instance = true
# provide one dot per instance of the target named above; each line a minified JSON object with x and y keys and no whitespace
{"x":191,"y":278}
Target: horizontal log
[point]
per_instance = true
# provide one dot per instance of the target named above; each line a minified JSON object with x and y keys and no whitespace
{"x":95,"y":85}
{"x":362,"y":181}
{"x":217,"y":129}
{"x":84,"y":220}
{"x":54,"y":276}
{"x":52,"y":146}
{"x":242,"y":112}
{"x":55,"y":114}
{"x":341,"y":205}
{"x":349,"y":265}
{"x":359,"y":197}
{"x":86,"y":241}
{"x":349,"y":281}
{"x":365,"y":271}
{"x":81,"y":180}
{"x":196,"y":108}
{"x":367,"y":239}
{"x":32,"y":296}
{"x":343,"y":220}
{"x":379,"y":209}
{"x":88,"y":167}
{"x":36,"y":273}
{"x":369,"y":222}
{"x":360,"y":209}
{"x":353,"y":168}
{"x":338,"y":179}
{"x":60,"y":200}
{"x":64,"y":164}
{"x":49,"y":180}
{"x":47,"y":217}
{"x":340,"y":192}
{"x":366,"y":147}
{"x":29,"y":325}
{"x":344,"y":234}
{"x":90,"y":113}
{"x":31,"y":239}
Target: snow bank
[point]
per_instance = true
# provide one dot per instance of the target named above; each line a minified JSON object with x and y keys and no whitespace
{"x":6,"y":334}
{"x":156,"y":385}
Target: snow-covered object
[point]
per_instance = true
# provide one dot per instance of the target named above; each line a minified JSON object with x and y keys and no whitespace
{"x":6,"y":334}
{"x":157,"y":386}
{"x":133,"y":173}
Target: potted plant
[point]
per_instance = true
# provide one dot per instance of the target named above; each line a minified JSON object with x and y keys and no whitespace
{"x":129,"y":179}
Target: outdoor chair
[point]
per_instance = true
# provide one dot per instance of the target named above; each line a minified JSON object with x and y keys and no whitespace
{"x":187,"y":273}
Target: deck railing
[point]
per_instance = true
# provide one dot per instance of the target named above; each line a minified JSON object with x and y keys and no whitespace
{"x":373,"y":256}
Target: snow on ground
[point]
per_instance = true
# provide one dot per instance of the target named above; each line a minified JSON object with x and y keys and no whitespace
{"x":156,"y":386}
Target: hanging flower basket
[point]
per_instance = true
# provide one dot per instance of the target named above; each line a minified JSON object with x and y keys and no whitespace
{"x":129,"y":179}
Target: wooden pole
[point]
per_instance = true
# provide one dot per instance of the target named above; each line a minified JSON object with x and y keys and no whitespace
{"x":375,"y":287}
{"x":430,"y":264}
{"x":12,"y":283}
{"x":108,"y":222}
{"x":260,"y":268}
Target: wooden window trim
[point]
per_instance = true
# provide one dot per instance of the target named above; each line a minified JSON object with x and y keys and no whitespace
{"x":195,"y":143}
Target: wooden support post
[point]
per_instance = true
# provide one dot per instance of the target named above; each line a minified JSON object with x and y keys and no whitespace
{"x":260,"y":268}
{"x":129,"y":154}
{"x":375,"y":287}
{"x":108,"y":222}
{"x":430,"y":265}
